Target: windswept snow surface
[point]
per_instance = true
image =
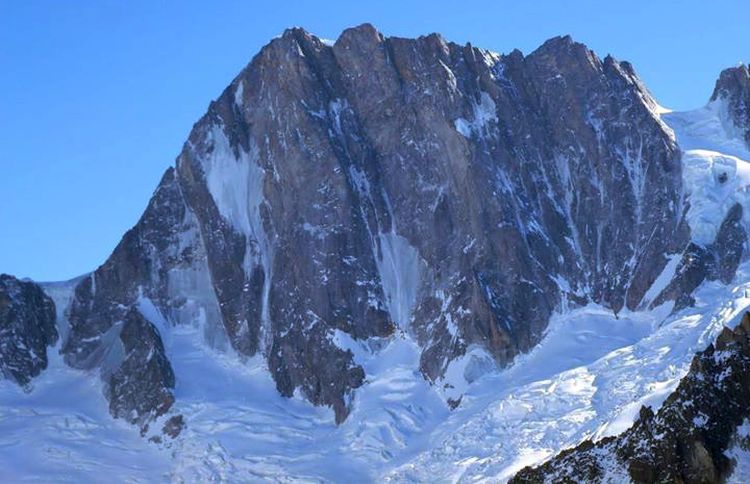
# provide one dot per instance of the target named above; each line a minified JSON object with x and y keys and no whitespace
{"x":61,"y":431}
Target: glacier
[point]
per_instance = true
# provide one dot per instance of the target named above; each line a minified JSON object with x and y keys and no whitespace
{"x":588,"y":377}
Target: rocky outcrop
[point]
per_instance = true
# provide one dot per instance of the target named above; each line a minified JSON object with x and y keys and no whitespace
{"x":717,"y":261}
{"x":27,"y":328}
{"x":382,"y":184}
{"x":685,"y":441}
{"x":139,"y":389}
{"x":108,"y":329}
{"x":733,"y":89}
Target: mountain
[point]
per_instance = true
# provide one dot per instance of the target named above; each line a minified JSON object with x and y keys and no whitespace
{"x":384,"y":184}
{"x":416,"y":235}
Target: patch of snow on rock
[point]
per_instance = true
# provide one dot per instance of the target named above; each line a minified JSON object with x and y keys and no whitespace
{"x":485,"y":112}
{"x":399,"y":273}
{"x":235,"y":181}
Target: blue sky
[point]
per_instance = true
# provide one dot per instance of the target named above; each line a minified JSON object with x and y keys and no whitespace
{"x":97,"y":97}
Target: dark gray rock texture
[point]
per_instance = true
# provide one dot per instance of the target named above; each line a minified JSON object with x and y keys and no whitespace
{"x":27,"y":329}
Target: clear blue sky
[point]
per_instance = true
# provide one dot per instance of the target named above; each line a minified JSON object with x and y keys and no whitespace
{"x":97,"y":97}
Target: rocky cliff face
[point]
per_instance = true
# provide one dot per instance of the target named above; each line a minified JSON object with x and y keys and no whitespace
{"x":715,"y":261}
{"x":733,"y":89}
{"x":686,"y":440}
{"x":383,"y":184}
{"x":27,"y":328}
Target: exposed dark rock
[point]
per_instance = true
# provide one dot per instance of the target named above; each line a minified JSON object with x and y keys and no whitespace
{"x":685,"y":441}
{"x":490,"y":175}
{"x":27,"y":328}
{"x":139,"y":390}
{"x":733,"y":87}
{"x":174,"y":426}
{"x":453,"y":404}
{"x":717,"y":261}
{"x":107,"y":329}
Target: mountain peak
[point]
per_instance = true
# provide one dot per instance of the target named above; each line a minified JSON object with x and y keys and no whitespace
{"x":733,"y":89}
{"x":560,"y":43}
{"x":733,"y":81}
{"x":294,"y":32}
{"x":363,"y":33}
{"x":372,"y":225}
{"x":564,"y":54}
{"x":297,"y":35}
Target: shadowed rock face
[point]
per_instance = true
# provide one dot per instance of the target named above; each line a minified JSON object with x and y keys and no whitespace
{"x":685,"y":441}
{"x":385,"y":183}
{"x":717,"y":261}
{"x":27,"y":328}
{"x":107,"y":328}
{"x":139,"y":390}
{"x":733,"y":87}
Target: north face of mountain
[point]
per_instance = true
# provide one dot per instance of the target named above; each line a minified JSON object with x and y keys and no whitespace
{"x":382,"y":185}
{"x":686,"y":440}
{"x":27,"y":329}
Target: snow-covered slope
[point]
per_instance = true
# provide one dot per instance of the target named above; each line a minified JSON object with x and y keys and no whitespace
{"x":61,"y":431}
{"x":587,"y":378}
